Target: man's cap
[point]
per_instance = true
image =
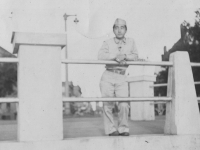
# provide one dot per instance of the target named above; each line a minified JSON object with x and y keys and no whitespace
{"x":119,"y":21}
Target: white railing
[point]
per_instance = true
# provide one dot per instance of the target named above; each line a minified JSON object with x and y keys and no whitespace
{"x":146,"y":63}
{"x":16,"y":60}
{"x":74,"y":61}
{"x":132,"y":99}
{"x":195,"y":64}
{"x":9,"y":99}
{"x":91,"y":99}
{"x":9,"y":60}
{"x":182,"y":116}
{"x":159,"y":85}
{"x":165,"y":84}
{"x":68,"y":61}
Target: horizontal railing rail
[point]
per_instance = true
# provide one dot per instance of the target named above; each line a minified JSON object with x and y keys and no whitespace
{"x":9,"y":100}
{"x":198,"y":99}
{"x":165,"y":84}
{"x":116,"y":99}
{"x":99,"y":62}
{"x":197,"y":82}
{"x":195,"y":64}
{"x":159,"y":85}
{"x":155,"y":99}
{"x":9,"y":60}
{"x":148,"y":63}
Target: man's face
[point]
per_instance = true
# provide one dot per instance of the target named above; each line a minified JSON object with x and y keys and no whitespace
{"x":119,"y":31}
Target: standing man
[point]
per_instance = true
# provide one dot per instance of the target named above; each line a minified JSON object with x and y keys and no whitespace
{"x":113,"y":81}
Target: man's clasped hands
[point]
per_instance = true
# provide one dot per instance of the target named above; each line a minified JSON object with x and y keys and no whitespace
{"x":121,"y":59}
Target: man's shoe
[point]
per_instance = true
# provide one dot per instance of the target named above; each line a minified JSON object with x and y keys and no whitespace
{"x":116,"y":133}
{"x":124,"y":134}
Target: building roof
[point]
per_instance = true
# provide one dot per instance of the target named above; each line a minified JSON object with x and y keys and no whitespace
{"x":5,"y":53}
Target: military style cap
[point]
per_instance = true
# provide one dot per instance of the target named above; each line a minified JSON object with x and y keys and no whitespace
{"x":119,"y":21}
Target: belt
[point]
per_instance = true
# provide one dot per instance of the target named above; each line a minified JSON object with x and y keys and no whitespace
{"x":122,"y":72}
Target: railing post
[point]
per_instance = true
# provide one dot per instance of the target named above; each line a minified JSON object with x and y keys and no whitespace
{"x":39,"y":86}
{"x":140,"y":87}
{"x":182,"y":114}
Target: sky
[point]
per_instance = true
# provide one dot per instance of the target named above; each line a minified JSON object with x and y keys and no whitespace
{"x":152,"y":23}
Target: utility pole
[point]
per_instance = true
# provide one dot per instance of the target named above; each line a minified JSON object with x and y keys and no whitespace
{"x":66,"y":56}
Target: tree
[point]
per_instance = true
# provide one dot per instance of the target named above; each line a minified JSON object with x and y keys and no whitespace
{"x":8,"y":79}
{"x":8,"y":75}
{"x":161,"y":78}
{"x":190,"y":42}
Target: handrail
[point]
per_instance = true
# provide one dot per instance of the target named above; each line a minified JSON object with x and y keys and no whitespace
{"x":99,"y":62}
{"x":158,"y":85}
{"x":195,"y":64}
{"x":116,"y":99}
{"x":9,"y":60}
{"x":198,"y":98}
{"x":9,"y":100}
{"x":162,"y":63}
{"x":197,"y":82}
{"x":165,"y":84}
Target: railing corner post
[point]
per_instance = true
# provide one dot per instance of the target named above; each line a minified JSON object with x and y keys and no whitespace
{"x":39,"y":86}
{"x":182,"y":114}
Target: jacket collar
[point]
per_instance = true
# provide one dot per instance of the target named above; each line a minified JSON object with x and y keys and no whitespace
{"x":117,"y":41}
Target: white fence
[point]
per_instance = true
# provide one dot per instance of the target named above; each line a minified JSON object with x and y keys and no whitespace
{"x":40,"y":96}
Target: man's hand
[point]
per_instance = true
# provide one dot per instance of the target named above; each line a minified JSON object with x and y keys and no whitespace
{"x":123,"y":62}
{"x":120,"y":57}
{"x":139,"y":59}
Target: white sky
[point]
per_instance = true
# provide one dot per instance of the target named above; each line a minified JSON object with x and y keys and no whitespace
{"x":152,"y":23}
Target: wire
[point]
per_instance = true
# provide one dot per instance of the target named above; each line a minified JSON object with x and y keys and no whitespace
{"x":86,"y":36}
{"x":127,"y":14}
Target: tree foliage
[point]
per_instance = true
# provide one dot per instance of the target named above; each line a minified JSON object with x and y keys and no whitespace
{"x":190,"y":42}
{"x":8,"y":75}
{"x":8,"y":79}
{"x":161,"y":78}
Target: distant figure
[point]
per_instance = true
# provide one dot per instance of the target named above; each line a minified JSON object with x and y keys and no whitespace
{"x":113,"y":81}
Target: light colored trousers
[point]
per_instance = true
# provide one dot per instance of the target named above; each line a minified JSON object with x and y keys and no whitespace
{"x":114,"y":85}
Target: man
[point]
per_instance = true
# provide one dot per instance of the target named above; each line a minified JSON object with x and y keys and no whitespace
{"x":113,"y":81}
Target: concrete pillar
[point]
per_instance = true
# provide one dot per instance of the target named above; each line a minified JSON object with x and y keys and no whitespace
{"x":39,"y":86}
{"x":140,"y":87}
{"x":182,"y":114}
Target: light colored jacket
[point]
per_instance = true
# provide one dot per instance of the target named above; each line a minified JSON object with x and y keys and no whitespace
{"x":112,"y":47}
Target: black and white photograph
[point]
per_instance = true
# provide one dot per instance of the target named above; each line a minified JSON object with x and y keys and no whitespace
{"x":99,"y":74}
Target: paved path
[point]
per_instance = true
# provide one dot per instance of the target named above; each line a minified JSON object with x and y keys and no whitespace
{"x":87,"y":127}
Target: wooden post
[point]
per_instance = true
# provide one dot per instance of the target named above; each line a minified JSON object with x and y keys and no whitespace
{"x":182,"y":114}
{"x":40,"y":115}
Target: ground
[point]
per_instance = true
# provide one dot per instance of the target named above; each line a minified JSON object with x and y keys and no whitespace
{"x":87,"y":126}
